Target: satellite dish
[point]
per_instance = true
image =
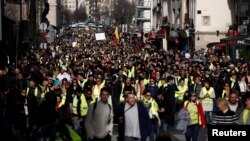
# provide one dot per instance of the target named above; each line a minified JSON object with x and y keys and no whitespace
{"x":43,"y":26}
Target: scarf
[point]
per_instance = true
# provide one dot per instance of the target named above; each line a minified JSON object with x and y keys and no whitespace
{"x":245,"y":116}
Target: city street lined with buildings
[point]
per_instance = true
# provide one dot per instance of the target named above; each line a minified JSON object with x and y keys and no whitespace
{"x":124,"y":70}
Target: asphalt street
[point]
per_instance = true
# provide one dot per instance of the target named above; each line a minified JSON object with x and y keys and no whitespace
{"x":176,"y":135}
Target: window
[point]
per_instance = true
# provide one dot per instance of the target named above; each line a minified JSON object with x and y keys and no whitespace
{"x":206,"y":20}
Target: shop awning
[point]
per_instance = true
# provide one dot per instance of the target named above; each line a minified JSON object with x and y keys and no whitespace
{"x":160,"y":34}
{"x":220,"y":46}
{"x":212,"y":44}
{"x":217,"y":45}
{"x":247,"y":41}
{"x":233,"y":38}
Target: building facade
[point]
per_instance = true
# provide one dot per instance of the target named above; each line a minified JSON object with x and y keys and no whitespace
{"x":210,"y":19}
{"x":55,"y":16}
{"x":70,"y":4}
{"x":105,"y":9}
{"x":203,"y":17}
{"x":143,"y":16}
{"x":86,"y":4}
{"x":100,"y":9}
{"x":94,"y":8}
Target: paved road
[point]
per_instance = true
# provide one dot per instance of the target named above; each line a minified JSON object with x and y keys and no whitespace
{"x":176,"y":135}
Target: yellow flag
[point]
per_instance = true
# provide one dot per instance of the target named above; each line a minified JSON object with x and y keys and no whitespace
{"x":117,"y":33}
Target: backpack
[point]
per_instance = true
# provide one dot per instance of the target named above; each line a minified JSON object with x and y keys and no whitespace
{"x":95,"y":105}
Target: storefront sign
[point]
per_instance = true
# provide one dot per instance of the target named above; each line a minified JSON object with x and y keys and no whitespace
{"x":241,"y":42}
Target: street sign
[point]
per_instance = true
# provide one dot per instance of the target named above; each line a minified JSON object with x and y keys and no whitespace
{"x":43,"y":26}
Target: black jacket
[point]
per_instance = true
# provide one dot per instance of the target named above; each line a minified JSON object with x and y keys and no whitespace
{"x":144,"y":119}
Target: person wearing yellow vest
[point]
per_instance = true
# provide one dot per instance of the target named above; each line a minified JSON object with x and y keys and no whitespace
{"x":97,"y":87}
{"x":152,"y":108}
{"x":244,"y":118}
{"x":139,"y":88}
{"x":158,"y":79}
{"x":125,"y":91}
{"x":127,"y":72}
{"x":179,"y":95}
{"x":207,"y":96}
{"x":226,"y":91}
{"x":33,"y":89}
{"x":61,"y":96}
{"x":79,"y":107}
{"x":46,"y":87}
{"x":233,"y":82}
{"x":81,"y":81}
{"x":196,"y":114}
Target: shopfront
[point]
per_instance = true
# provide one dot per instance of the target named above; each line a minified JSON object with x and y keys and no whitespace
{"x":235,"y":46}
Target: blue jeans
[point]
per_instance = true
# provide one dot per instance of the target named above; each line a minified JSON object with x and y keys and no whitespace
{"x":163,"y":127}
{"x":192,"y":132}
{"x":154,"y":131}
{"x":208,"y":117}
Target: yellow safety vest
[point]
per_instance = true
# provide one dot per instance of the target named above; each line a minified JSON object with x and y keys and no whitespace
{"x":233,"y":83}
{"x":41,"y":60}
{"x":63,"y":100}
{"x":122,"y":99}
{"x":145,"y":81}
{"x":132,"y":71}
{"x":153,"y":111}
{"x":46,"y":90}
{"x":97,"y":90}
{"x":81,"y":84}
{"x":235,"y":68}
{"x":159,"y":84}
{"x":186,"y":82}
{"x":127,"y":74}
{"x":245,"y":116}
{"x":210,"y":92}
{"x":179,"y":94}
{"x":192,"y":79}
{"x":35,"y":92}
{"x":196,"y":118}
{"x":83,"y":107}
{"x":224,"y":95}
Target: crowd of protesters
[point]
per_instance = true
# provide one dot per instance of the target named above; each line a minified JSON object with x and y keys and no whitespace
{"x":65,"y":92}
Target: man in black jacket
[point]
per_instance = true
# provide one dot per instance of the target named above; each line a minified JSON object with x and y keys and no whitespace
{"x":133,"y":120}
{"x":169,"y":95}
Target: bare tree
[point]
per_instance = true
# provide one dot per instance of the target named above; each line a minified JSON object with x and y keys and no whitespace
{"x":67,"y":15}
{"x":81,"y":15}
{"x":70,"y":17}
{"x":123,"y":11}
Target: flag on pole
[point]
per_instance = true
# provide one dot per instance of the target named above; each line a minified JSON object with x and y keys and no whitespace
{"x":116,"y":38}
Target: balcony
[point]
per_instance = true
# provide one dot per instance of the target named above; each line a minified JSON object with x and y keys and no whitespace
{"x":144,"y":4}
{"x":142,"y":18}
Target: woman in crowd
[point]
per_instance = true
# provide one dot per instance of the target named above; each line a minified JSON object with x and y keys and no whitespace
{"x":196,"y":115}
